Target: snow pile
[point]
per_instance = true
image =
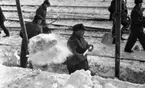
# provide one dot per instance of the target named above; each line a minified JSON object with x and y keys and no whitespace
{"x":79,"y":79}
{"x":11,"y":58}
{"x":27,"y":78}
{"x":45,"y":49}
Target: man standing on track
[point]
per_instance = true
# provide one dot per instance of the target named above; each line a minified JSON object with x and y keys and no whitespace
{"x":42,"y":11}
{"x":137,"y":24}
{"x":124,"y":18}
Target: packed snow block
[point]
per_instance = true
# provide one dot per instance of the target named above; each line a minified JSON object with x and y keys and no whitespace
{"x":109,"y":85}
{"x":80,"y":79}
{"x":11,"y":58}
{"x":46,"y":49}
{"x":131,"y":71}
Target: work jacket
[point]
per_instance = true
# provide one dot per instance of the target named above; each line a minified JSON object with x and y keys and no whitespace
{"x":78,"y":46}
{"x":137,"y":19}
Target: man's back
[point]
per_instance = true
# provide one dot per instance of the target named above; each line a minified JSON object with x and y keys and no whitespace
{"x":33,"y":29}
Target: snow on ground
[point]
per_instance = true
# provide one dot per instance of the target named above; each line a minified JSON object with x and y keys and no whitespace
{"x":15,"y":77}
{"x":26,"y":78}
{"x":18,"y":77}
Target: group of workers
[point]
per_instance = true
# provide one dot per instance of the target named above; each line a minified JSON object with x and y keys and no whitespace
{"x":76,"y":43}
{"x":136,"y":25}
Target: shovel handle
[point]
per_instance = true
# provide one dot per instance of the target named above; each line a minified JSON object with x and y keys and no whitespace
{"x":87,"y":51}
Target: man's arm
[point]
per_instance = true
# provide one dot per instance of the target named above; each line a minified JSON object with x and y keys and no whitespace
{"x":73,"y":46}
{"x":137,"y":19}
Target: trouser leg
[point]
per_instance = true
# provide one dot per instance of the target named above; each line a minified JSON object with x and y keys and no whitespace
{"x":131,"y":41}
{"x":110,"y":17}
{"x":83,"y":65}
{"x":113,"y":32}
{"x":23,"y":58}
{"x":141,"y":38}
{"x":5,"y":29}
{"x":71,"y":69}
{"x":125,"y":26}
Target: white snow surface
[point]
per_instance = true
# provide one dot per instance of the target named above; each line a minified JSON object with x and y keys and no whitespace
{"x":15,"y":77}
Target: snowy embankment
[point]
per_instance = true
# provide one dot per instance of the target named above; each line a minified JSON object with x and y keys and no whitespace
{"x":56,"y":75}
{"x":15,"y":77}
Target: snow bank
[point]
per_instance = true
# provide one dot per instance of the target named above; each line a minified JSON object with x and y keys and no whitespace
{"x":22,"y":78}
{"x":45,"y":49}
{"x":80,"y":79}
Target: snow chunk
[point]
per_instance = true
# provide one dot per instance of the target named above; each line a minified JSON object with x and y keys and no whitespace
{"x":109,"y":85}
{"x":45,"y":49}
{"x":80,"y":79}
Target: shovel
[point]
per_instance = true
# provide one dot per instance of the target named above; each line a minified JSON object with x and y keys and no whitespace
{"x":107,"y":38}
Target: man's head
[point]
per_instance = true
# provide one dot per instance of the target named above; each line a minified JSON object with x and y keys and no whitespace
{"x":138,"y":1}
{"x":38,"y":19}
{"x":46,"y":3}
{"x":79,"y":29}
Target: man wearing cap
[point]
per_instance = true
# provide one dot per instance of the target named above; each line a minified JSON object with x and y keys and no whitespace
{"x":124,"y":18}
{"x":78,"y":46}
{"x":42,"y":11}
{"x":2,"y":19}
{"x":137,"y":24}
{"x":33,"y":28}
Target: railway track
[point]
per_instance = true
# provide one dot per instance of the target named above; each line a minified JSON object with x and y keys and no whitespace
{"x":97,"y":36}
{"x":66,"y":24}
{"x":92,"y":15}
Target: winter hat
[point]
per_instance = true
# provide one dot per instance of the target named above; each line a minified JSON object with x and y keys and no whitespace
{"x":78,"y":27}
{"x":138,"y":1}
{"x":47,"y":2}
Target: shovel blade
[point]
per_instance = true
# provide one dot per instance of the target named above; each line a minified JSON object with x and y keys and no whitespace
{"x":107,"y":39}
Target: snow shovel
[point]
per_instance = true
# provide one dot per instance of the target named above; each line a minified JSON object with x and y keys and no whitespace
{"x":107,"y":38}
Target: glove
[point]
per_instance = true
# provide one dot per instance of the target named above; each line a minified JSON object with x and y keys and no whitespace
{"x":91,"y":47}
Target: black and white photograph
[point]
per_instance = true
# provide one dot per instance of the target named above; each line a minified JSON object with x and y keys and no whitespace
{"x":72,"y":44}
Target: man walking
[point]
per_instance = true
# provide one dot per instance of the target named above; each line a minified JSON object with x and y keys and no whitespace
{"x":2,"y":19}
{"x":137,"y":24}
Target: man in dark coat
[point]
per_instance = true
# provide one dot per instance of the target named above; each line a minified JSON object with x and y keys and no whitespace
{"x":124,"y":18}
{"x":78,"y":46}
{"x":137,"y":24}
{"x":33,"y":28}
{"x":2,"y":19}
{"x":42,"y":11}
